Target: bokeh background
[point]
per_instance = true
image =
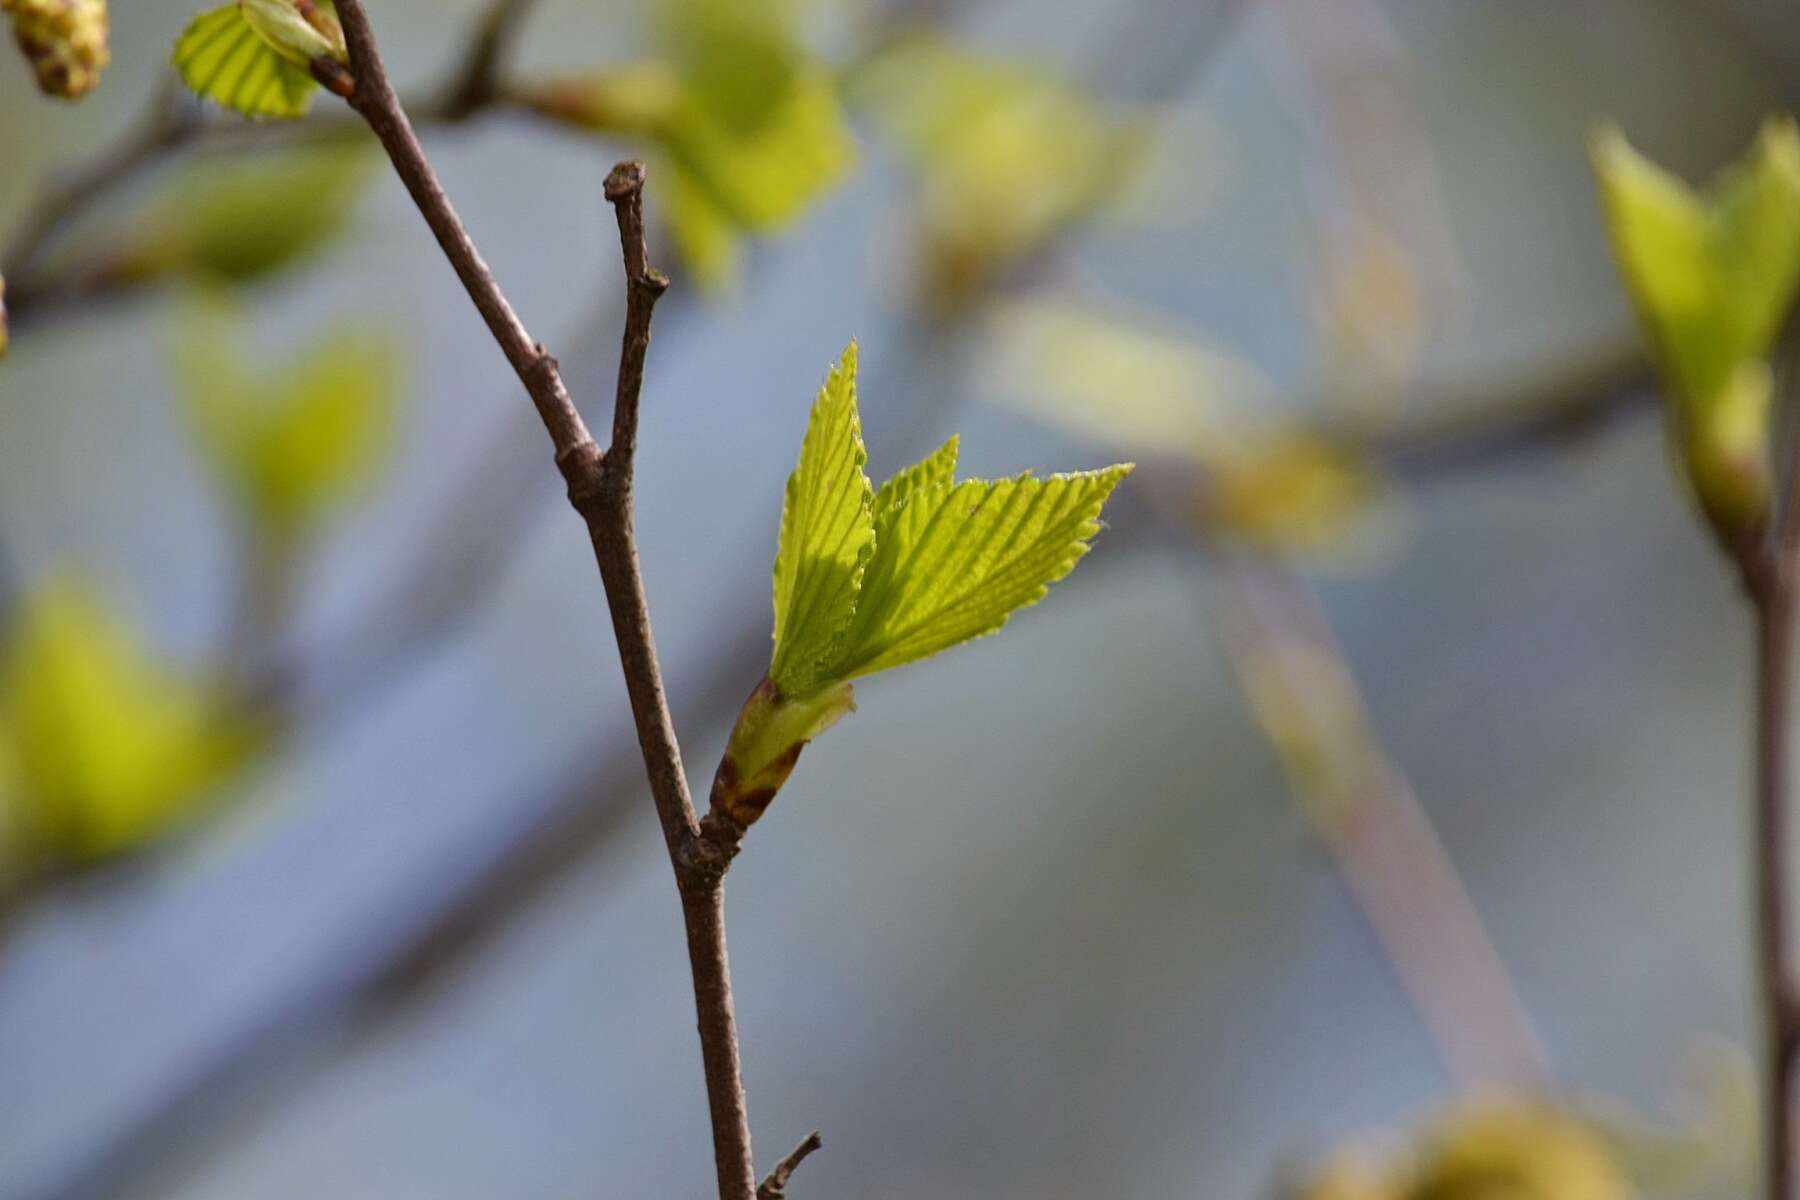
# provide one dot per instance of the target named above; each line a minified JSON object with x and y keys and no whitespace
{"x":1076,"y":910}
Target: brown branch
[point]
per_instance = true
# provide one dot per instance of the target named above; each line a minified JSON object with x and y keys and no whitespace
{"x":1774,"y":597}
{"x":476,"y":84}
{"x":1770,"y":566}
{"x":600,"y":489}
{"x":164,"y":127}
{"x":171,"y":125}
{"x":774,"y":1184}
{"x":374,"y":99}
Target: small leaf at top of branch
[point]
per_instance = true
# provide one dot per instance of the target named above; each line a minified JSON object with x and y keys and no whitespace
{"x":64,"y":40}
{"x":867,"y":580}
{"x":257,"y":57}
{"x":1711,"y":277}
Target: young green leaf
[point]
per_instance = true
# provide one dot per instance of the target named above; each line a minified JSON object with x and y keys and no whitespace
{"x":5,"y":329}
{"x":939,"y":467}
{"x":253,"y":56}
{"x":956,"y":560}
{"x":294,"y":442}
{"x":869,"y":580}
{"x":241,"y":221}
{"x":827,"y":535}
{"x":1711,"y":277}
{"x":109,"y":750}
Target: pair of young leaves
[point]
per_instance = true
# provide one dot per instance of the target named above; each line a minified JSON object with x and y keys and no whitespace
{"x":1712,"y":277}
{"x":869,"y":579}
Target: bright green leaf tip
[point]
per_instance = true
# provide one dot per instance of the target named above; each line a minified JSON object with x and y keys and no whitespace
{"x":1711,"y":277}
{"x":867,"y":580}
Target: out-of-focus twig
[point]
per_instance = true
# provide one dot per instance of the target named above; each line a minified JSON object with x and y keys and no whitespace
{"x":1381,"y":843}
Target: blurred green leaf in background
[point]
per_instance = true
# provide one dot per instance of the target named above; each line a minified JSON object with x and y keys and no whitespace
{"x":293,"y":441}
{"x":102,"y":749}
{"x":745,"y":119}
{"x":1006,"y":154}
{"x":241,"y":221}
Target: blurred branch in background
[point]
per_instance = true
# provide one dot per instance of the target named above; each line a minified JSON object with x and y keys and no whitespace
{"x":1358,"y":802}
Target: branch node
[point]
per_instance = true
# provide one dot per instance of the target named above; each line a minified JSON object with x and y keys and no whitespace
{"x":774,"y":1185}
{"x":334,"y":77}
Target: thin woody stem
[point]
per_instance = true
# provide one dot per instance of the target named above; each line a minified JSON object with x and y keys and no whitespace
{"x":600,"y":489}
{"x":1769,"y":568}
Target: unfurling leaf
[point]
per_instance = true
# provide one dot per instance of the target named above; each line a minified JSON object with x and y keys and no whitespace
{"x":1711,"y":277}
{"x":1006,"y":154}
{"x":827,"y":536}
{"x":292,"y":442}
{"x":108,"y":750}
{"x":64,"y":40}
{"x":747,"y":123}
{"x":1520,"y":1151}
{"x":255,"y":56}
{"x":866,"y":580}
{"x":241,"y":221}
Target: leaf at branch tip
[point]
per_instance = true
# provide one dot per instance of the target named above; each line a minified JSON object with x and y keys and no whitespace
{"x":956,"y":560}
{"x":252,"y":57}
{"x":291,"y":443}
{"x":869,"y":580}
{"x":242,"y":221}
{"x":1711,"y":277}
{"x":937,"y":468}
{"x":827,"y":535}
{"x":109,"y":751}
{"x":5,"y":329}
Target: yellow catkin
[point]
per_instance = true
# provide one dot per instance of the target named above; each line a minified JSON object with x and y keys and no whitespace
{"x":65,"y":41}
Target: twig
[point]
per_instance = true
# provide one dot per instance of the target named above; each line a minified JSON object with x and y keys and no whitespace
{"x":1771,"y":571}
{"x":600,"y":489}
{"x":1379,"y":838}
{"x":166,"y":125}
{"x":171,"y":124}
{"x":774,"y":1184}
{"x":1774,"y":599}
{"x":476,"y":82}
